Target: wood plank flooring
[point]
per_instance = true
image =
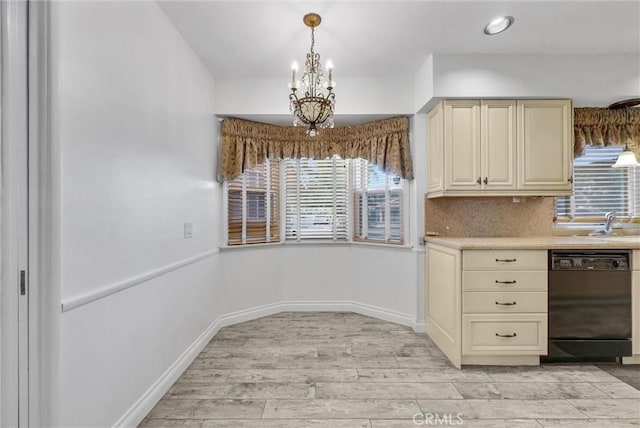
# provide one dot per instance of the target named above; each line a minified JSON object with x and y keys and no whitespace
{"x":344,"y":370}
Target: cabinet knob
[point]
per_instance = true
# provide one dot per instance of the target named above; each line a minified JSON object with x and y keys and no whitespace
{"x":506,"y":303}
{"x":486,"y":180}
{"x":506,"y":282}
{"x":570,"y":179}
{"x":479,"y":180}
{"x":506,"y":260}
{"x":506,"y":335}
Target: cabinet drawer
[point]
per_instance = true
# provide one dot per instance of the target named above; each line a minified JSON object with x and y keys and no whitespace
{"x":504,"y":280}
{"x":504,"y":260}
{"x":504,"y":334}
{"x":504,"y":301}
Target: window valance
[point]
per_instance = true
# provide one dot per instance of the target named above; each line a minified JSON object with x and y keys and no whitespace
{"x":246,"y":144}
{"x":602,"y":127}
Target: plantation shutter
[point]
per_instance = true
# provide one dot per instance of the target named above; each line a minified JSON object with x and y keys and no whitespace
{"x":598,"y":188}
{"x":378,"y":203}
{"x":253,"y":205}
{"x":235,"y":219}
{"x":316,"y":199}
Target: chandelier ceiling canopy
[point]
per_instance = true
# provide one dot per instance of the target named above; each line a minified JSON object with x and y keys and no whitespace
{"x":314,"y":107}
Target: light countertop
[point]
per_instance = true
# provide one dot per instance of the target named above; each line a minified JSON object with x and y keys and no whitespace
{"x":538,"y":242}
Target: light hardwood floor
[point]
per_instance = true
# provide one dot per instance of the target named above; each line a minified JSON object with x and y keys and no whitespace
{"x":344,"y":370}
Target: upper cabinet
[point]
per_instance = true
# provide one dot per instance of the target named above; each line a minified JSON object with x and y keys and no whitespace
{"x":498,"y":144}
{"x":435,"y":157}
{"x":545,"y":145}
{"x":461,"y":145}
{"x":500,"y":148}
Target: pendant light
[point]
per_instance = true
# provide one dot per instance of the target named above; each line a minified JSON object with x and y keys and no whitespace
{"x":627,"y":159}
{"x":314,"y":107}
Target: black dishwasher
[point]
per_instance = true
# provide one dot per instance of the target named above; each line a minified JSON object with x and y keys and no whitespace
{"x":589,"y":304}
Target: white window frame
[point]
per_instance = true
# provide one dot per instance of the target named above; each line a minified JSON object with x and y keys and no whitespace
{"x":225,"y":208}
{"x":586,"y":222}
{"x":334,"y":196}
{"x":406,"y":197}
{"x":387,"y":191}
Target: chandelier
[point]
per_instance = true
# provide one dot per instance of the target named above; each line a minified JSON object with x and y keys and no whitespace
{"x":315,"y":108}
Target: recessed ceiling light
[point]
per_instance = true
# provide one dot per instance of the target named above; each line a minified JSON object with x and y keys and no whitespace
{"x":498,"y":25}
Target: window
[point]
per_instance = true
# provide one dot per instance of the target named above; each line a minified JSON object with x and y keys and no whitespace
{"x":322,"y":199}
{"x":316,"y":199}
{"x":253,"y":206}
{"x":377,"y":204}
{"x":598,"y":188}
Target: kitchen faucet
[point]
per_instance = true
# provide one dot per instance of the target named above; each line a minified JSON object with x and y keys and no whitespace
{"x":608,"y":225}
{"x":608,"y":222}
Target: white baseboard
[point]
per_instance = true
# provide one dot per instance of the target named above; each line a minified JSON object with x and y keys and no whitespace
{"x":634,"y":359}
{"x":384,"y":314}
{"x":150,"y":398}
{"x":420,"y":327}
{"x":320,"y":306}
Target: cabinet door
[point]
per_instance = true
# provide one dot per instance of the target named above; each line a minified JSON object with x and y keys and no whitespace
{"x":461,"y":144}
{"x":545,"y":145}
{"x":498,"y":144}
{"x":442,"y":296}
{"x":435,"y":149}
{"x":635,"y":299}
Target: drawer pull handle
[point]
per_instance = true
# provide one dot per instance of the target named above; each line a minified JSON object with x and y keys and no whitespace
{"x":506,"y":282}
{"x":506,"y":303}
{"x":506,"y":260}
{"x":506,"y":335}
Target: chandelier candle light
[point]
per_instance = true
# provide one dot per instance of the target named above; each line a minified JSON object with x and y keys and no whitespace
{"x":315,"y":108}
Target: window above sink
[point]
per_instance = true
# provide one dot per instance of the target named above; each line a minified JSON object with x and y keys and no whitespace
{"x":597,"y":189}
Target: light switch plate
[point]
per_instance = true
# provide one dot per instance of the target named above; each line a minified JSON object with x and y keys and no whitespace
{"x":188,"y":230}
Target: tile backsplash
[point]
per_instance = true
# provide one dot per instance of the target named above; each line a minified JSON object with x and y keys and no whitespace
{"x":489,"y":216}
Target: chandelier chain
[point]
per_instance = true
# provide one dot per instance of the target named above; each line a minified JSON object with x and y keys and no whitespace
{"x":313,"y":40}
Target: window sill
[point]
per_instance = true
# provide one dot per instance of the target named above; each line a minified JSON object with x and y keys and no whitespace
{"x":224,"y":248}
{"x":584,"y":228}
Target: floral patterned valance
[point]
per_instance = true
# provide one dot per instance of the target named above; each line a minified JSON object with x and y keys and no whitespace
{"x":603,"y":127}
{"x":246,"y":144}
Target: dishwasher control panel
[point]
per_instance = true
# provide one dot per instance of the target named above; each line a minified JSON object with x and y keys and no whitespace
{"x":585,"y":260}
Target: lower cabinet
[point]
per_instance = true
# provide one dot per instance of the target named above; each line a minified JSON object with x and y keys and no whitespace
{"x":504,"y":334}
{"x":635,"y":301}
{"x":487,"y":306}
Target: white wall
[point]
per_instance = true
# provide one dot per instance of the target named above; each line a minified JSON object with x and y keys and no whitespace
{"x":423,"y":84}
{"x":132,"y":115}
{"x":418,"y":124}
{"x":354,"y":96}
{"x":590,"y":80}
{"x":374,"y":280}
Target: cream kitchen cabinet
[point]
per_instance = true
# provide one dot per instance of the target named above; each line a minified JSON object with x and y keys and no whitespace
{"x":479,"y":145}
{"x":635,"y":316}
{"x":487,"y":306}
{"x":545,"y":145}
{"x":498,"y":147}
{"x":435,"y":157}
{"x":501,"y":322}
{"x":461,"y":145}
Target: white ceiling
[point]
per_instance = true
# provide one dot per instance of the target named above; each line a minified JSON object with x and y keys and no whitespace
{"x":393,"y":38}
